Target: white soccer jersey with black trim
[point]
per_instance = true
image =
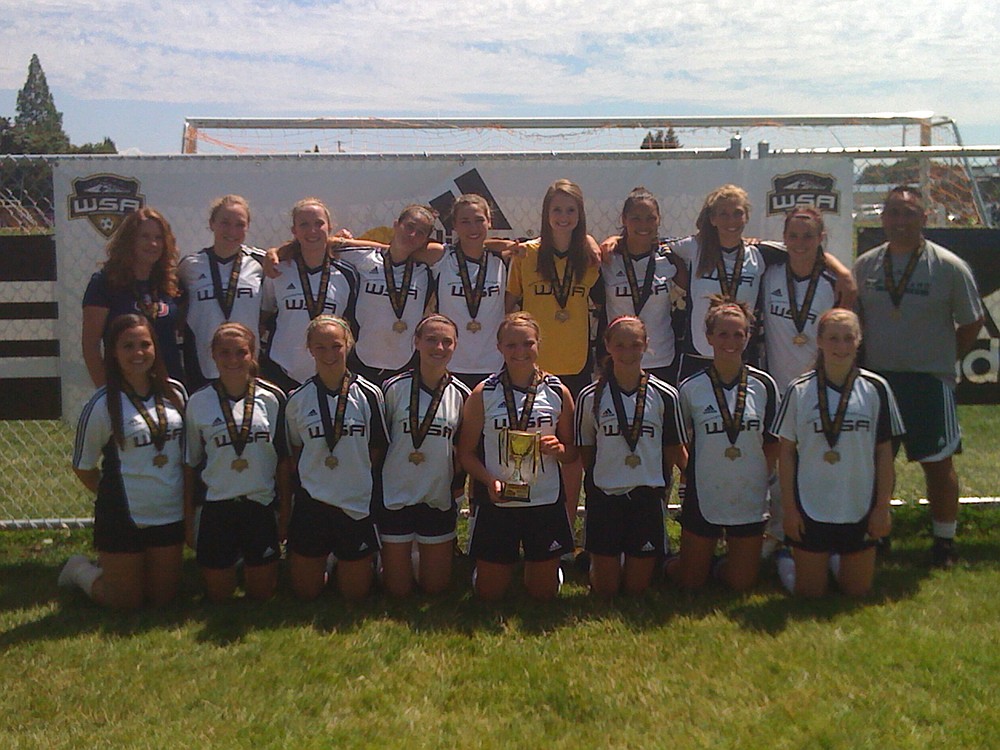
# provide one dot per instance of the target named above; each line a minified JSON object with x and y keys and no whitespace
{"x":154,"y":495}
{"x":406,"y":483}
{"x":701,"y":289}
{"x":657,"y":310}
{"x":477,"y":350}
{"x":841,"y":492}
{"x":661,"y":425}
{"x":284,"y":297}
{"x":728,"y":492}
{"x":379,"y":345}
{"x":787,"y":360}
{"x":204,"y":314}
{"x":544,"y":419}
{"x":348,"y":486}
{"x":208,"y":440}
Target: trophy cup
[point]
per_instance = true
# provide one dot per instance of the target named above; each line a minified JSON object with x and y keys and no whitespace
{"x":516,"y":446}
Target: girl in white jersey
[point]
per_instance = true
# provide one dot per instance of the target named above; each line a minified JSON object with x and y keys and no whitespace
{"x":221,"y":283}
{"x":129,"y":451}
{"x":235,"y":446}
{"x":630,"y":435}
{"x":728,"y":409}
{"x":520,"y":397}
{"x":836,"y":424}
{"x":423,"y":409}
{"x":642,"y":278}
{"x":336,"y":431}
{"x":310,"y":282}
{"x":471,"y":282}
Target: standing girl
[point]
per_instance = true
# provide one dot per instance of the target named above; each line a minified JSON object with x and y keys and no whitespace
{"x":521,"y":397}
{"x":139,"y":276}
{"x":630,"y":434}
{"x":836,"y":425}
{"x":336,"y":430}
{"x":728,"y":410}
{"x":129,"y":451}
{"x":221,"y":283}
{"x":311,"y":283}
{"x":234,"y":436}
{"x":423,"y":412}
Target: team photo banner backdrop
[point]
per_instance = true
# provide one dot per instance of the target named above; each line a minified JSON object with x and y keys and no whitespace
{"x":366,"y":193}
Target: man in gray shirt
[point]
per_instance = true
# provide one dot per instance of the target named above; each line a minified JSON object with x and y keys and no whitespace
{"x":920,"y":312}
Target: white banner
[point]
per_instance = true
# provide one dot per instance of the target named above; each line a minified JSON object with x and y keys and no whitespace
{"x":364,"y":193}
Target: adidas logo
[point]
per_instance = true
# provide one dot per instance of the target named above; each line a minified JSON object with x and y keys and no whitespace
{"x":268,"y":551}
{"x":709,"y":410}
{"x":363,"y":547}
{"x":647,"y":547}
{"x":312,"y":413}
{"x":555,"y":546}
{"x":620,"y":273}
{"x":290,"y":286}
{"x":777,"y":293}
{"x":607,"y":413}
{"x":203,"y":276}
{"x":217,"y":421}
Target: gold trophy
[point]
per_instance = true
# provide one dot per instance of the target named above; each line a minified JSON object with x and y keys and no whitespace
{"x":516,"y":446}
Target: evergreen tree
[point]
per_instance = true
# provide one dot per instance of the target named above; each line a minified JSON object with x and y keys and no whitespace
{"x":38,"y":124}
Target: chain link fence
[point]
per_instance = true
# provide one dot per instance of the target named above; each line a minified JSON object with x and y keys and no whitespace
{"x":38,"y":488}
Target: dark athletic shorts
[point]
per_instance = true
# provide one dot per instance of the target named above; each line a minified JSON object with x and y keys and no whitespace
{"x":420,"y":523}
{"x":630,"y":523}
{"x":317,"y":529}
{"x":498,"y":534}
{"x":231,"y":529}
{"x":115,"y":532}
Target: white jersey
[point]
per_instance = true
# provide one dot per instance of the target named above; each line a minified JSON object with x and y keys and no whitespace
{"x":786,"y":359}
{"x":208,"y":440}
{"x":728,"y":492}
{"x":841,"y":492}
{"x":661,"y":426}
{"x":153,"y":494}
{"x":284,"y":296}
{"x":380,"y":345}
{"x":204,"y":311}
{"x":428,"y":481}
{"x":348,"y":485}
{"x":657,"y":310}
{"x":544,"y":419}
{"x":477,"y":349}
{"x":701,"y":288}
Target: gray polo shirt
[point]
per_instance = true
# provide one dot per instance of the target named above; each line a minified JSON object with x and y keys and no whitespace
{"x":940,"y":295}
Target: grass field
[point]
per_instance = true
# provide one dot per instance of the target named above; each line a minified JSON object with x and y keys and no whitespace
{"x":914,"y":666}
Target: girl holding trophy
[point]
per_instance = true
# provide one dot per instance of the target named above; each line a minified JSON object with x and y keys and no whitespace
{"x":517,"y":429}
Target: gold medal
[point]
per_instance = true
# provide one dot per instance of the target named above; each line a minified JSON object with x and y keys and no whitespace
{"x":732,"y":453}
{"x":416,"y":458}
{"x":239,"y":464}
{"x":331,"y":462}
{"x":831,"y":457}
{"x":800,"y":340}
{"x":474,"y":326}
{"x":399,"y":326}
{"x":561,"y":315}
{"x":632,"y":460}
{"x":160,"y":460}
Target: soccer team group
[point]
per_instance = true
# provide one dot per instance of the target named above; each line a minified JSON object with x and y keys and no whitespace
{"x":394,"y":380}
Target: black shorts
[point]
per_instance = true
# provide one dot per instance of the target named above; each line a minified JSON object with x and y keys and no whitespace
{"x":420,"y":523}
{"x":115,"y":532}
{"x":317,"y":529}
{"x":630,"y":523}
{"x":231,"y":529}
{"x":497,"y":534}
{"x":840,"y":538}
{"x":929,"y":413}
{"x":693,"y":521}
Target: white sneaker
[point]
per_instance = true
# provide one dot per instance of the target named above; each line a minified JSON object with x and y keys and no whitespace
{"x":67,"y":576}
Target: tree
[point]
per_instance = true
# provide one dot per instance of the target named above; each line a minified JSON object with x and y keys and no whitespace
{"x":660,"y":139}
{"x":38,"y":125}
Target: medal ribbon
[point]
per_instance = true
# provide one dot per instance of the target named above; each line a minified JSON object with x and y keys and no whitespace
{"x":732,"y":422}
{"x":561,"y":287}
{"x":514,"y":421}
{"x":800,"y":315}
{"x":831,"y":429}
{"x":639,"y":295}
{"x":896,"y":291}
{"x":238,"y":438}
{"x":313,"y":304}
{"x":632,"y":431}
{"x":420,"y":427}
{"x":397,"y":296}
{"x":332,"y":430}
{"x":158,"y":429}
{"x":730,"y":286}
{"x":226,"y":300}
{"x":473,"y":295}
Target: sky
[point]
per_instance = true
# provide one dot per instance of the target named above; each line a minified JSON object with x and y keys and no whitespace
{"x":134,"y":72}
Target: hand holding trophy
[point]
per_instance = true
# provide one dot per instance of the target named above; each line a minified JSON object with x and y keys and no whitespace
{"x":520,"y":452}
